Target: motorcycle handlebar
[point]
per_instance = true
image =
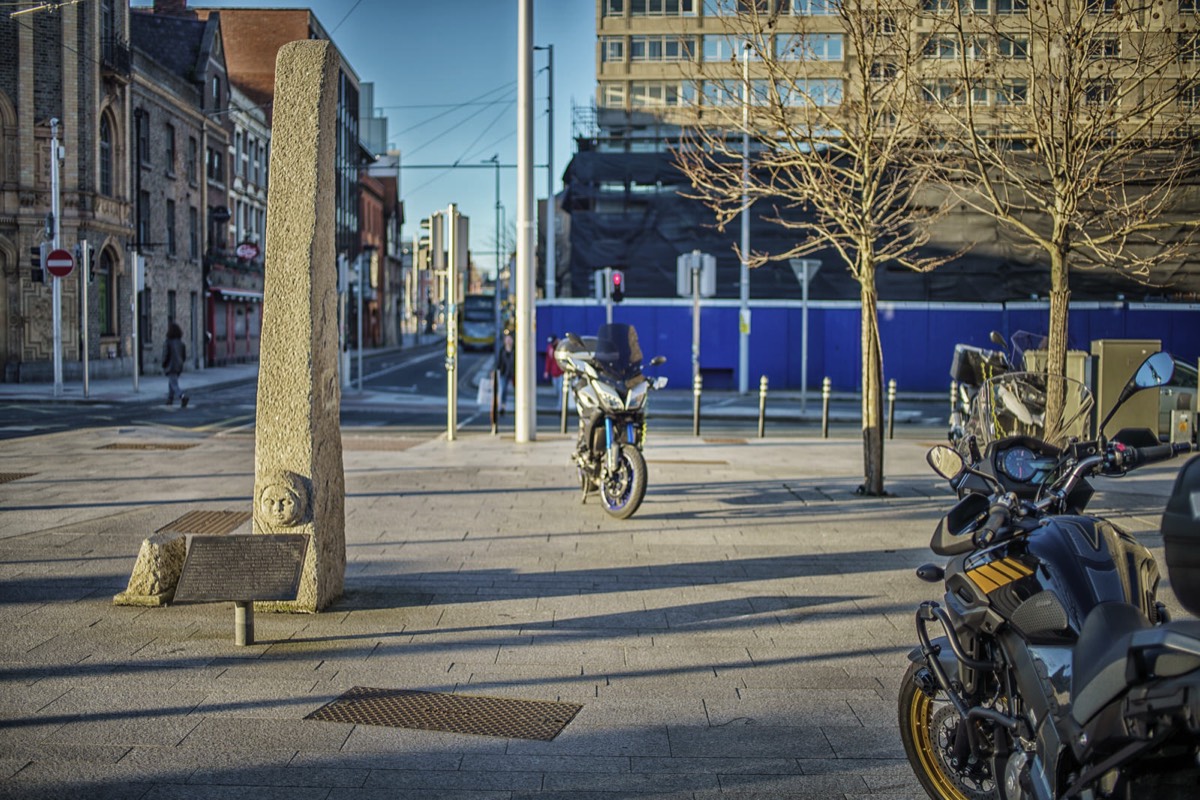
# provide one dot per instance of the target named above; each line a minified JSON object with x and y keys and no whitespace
{"x":997,"y":516}
{"x":1131,"y":457}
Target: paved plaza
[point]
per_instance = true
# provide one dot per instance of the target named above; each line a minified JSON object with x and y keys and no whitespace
{"x":742,"y":636}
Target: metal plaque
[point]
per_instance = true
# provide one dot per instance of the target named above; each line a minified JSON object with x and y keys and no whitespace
{"x":242,"y":568}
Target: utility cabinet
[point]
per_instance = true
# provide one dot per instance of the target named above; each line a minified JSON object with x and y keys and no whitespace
{"x":1116,"y":361}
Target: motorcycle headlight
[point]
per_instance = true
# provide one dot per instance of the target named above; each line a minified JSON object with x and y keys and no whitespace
{"x":608,"y":397}
{"x":637,"y":396}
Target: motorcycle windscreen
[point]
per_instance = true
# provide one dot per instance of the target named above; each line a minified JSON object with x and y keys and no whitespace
{"x":1016,"y":404}
{"x":617,"y":350}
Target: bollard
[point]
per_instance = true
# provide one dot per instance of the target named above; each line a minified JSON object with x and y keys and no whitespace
{"x":825,"y":408}
{"x":562,"y":405}
{"x":243,"y":623}
{"x":762,"y":406}
{"x":697,"y":383}
{"x":891,"y":408}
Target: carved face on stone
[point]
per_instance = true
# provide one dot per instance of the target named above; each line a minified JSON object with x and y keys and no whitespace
{"x":283,"y":501}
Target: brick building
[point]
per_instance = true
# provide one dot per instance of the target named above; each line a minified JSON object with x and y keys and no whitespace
{"x":72,"y":66}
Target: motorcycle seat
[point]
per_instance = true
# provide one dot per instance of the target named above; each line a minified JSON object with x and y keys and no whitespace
{"x":1118,"y":647}
{"x":1098,"y":661}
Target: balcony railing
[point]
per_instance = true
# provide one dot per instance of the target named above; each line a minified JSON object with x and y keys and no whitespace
{"x":114,"y":57}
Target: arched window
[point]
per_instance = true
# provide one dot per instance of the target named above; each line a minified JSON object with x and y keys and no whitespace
{"x":106,"y":157}
{"x":105,"y":294}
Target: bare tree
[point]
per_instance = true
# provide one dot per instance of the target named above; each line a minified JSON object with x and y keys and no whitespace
{"x":833,"y":114}
{"x":1072,"y":121}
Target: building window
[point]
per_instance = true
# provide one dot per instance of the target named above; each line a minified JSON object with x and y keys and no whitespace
{"x":143,"y":218}
{"x":142,"y":123}
{"x":718,"y":47}
{"x":238,"y":152}
{"x":216,"y":91}
{"x":657,"y":94}
{"x":172,"y":311}
{"x":193,"y":233}
{"x":105,"y":296}
{"x":247,"y":149}
{"x":171,"y":245}
{"x":809,"y":47}
{"x":193,"y":156}
{"x":614,"y":8}
{"x":1100,"y":93}
{"x":1012,"y":93}
{"x":660,"y":8}
{"x":612,"y":49}
{"x":660,"y":48}
{"x":1012,"y":6}
{"x":169,"y":135}
{"x":821,"y":92}
{"x":1101,"y":6}
{"x":1189,"y":6}
{"x":809,"y":8}
{"x":1014,"y":47}
{"x":1103,"y":47}
{"x":612,"y":95}
{"x":106,"y":157}
{"x":216,"y":166}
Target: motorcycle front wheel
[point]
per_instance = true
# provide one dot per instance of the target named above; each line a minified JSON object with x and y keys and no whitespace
{"x":929,"y":730}
{"x":623,"y":489}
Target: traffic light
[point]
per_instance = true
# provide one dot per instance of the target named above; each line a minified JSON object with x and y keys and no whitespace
{"x":618,"y":285}
{"x":37,"y":260}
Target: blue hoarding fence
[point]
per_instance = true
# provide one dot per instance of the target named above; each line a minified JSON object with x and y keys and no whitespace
{"x":918,"y":338}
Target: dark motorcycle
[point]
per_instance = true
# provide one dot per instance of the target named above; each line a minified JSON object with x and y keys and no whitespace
{"x":971,"y":366}
{"x":1058,"y":673}
{"x":604,"y":373}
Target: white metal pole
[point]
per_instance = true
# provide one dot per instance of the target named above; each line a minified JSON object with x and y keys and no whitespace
{"x":551,"y":250}
{"x":804,"y":340}
{"x":608,"y":303}
{"x":359,"y":293}
{"x":526,"y":412}
{"x":452,"y":325}
{"x":56,"y":283}
{"x":85,"y":273}
{"x":744,"y":295}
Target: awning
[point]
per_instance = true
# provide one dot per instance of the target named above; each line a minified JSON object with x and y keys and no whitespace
{"x":230,"y":293}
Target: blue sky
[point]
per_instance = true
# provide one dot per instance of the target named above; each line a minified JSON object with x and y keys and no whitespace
{"x":427,"y":58}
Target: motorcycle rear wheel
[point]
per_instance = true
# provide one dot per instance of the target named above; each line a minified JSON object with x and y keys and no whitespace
{"x":919,"y":730}
{"x":623,"y":489}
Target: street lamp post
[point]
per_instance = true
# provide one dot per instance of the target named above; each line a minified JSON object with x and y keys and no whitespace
{"x":744,"y":286}
{"x":526,"y":416}
{"x":551,"y":249}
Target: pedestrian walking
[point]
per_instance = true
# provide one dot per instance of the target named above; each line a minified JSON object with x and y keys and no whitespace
{"x":552,"y":371}
{"x":174,"y":354}
{"x":506,"y":368}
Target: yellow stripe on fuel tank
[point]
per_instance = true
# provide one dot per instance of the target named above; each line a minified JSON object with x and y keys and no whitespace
{"x":997,"y":574}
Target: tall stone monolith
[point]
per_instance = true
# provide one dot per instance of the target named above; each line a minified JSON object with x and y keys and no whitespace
{"x":299,"y":486}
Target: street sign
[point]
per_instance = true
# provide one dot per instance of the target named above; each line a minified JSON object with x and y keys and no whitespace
{"x":60,"y":263}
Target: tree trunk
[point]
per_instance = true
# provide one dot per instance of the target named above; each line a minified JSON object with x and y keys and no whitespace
{"x":1056,"y":347}
{"x":872,"y":390}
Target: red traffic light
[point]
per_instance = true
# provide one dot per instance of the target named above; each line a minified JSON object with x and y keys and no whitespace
{"x":618,"y":285}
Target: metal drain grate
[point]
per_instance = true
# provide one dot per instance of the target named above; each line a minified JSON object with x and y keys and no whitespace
{"x":9,"y":477}
{"x":451,"y":713}
{"x":145,"y":446}
{"x":216,"y":523}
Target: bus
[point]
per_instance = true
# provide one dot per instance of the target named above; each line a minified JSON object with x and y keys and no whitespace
{"x":478,"y":327}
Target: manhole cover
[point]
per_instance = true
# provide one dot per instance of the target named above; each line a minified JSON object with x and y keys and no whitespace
{"x":145,"y":446}
{"x":207,"y":522}
{"x":9,"y":477}
{"x":451,"y":713}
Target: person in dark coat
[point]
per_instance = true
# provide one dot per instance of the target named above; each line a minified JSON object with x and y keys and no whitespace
{"x":174,"y":354}
{"x":506,"y":367}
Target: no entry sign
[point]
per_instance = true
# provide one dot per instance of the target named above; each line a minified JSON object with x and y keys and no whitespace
{"x":60,"y":263}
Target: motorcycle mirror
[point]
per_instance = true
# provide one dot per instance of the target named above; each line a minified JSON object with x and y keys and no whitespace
{"x":1155,"y":371}
{"x":654,"y":362}
{"x":998,"y":339}
{"x":946,"y":461}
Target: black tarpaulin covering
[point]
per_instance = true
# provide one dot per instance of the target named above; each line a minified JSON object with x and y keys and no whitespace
{"x":628,"y":212}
